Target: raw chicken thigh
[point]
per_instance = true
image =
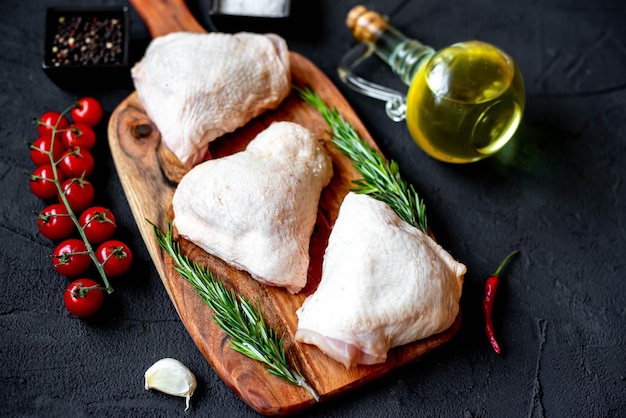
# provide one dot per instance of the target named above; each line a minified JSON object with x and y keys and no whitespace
{"x":256,"y":209}
{"x":384,"y":284}
{"x":196,"y":87}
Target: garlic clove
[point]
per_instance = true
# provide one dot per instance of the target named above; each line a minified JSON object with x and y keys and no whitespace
{"x":170,"y":376}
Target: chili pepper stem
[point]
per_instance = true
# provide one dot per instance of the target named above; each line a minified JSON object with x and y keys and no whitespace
{"x":503,"y":263}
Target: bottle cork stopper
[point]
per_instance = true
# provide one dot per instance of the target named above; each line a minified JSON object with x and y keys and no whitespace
{"x":366,"y":25}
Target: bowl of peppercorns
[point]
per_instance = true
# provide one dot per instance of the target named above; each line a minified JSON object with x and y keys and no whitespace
{"x":87,"y":47}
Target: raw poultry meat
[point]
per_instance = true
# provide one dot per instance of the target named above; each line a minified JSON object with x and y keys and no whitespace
{"x":196,"y":87}
{"x":384,"y":284}
{"x":256,"y":209}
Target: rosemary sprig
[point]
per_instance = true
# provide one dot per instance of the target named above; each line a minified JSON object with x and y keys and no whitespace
{"x":381,"y":179}
{"x":236,"y":316}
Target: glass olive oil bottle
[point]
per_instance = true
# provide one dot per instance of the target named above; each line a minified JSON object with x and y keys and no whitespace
{"x":464,"y":102}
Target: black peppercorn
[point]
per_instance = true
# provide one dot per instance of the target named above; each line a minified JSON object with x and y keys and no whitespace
{"x":87,"y":40}
{"x":87,"y":47}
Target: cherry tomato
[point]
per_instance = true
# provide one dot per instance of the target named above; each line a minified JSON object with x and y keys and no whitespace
{"x":115,"y":257}
{"x":70,"y":258}
{"x":83,"y":297}
{"x":79,"y":135}
{"x":40,"y":150}
{"x":51,"y":121}
{"x":87,"y":110}
{"x":54,"y":223}
{"x":42,"y":182}
{"x":77,"y":162}
{"x":79,"y":193}
{"x":98,"y":223}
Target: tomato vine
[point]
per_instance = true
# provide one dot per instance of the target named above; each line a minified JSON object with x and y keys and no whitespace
{"x":64,"y":161}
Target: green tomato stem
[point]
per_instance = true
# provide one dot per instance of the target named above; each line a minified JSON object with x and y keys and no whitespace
{"x":107,"y":286}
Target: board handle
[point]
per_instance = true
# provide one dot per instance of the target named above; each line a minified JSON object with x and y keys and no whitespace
{"x":166,"y":16}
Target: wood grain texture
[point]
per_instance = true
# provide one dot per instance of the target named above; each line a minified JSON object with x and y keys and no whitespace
{"x":149,"y":174}
{"x":166,"y":16}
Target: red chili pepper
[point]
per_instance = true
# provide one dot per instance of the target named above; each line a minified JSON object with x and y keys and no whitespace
{"x":491,"y":285}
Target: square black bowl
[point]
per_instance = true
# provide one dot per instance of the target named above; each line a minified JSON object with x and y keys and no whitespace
{"x":87,"y":47}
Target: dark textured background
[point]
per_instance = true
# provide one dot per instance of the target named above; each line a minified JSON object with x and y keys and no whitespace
{"x":557,"y":193}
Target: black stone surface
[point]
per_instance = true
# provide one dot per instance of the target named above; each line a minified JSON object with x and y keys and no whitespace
{"x":557,"y":193}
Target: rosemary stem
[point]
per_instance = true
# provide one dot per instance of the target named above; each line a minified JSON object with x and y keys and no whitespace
{"x":381,"y":179}
{"x":241,"y":320}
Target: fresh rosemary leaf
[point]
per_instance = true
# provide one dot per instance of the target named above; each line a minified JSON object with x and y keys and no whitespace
{"x":238,"y":317}
{"x":381,"y":179}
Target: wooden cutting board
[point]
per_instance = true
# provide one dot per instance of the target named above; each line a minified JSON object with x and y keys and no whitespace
{"x":149,"y":175}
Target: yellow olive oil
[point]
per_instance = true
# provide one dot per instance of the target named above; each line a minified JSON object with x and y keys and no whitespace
{"x":465,"y":103}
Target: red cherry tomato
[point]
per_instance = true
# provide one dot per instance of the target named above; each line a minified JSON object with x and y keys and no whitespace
{"x":51,"y":121}
{"x":83,"y":297}
{"x":77,"y":162}
{"x":79,"y":135}
{"x":70,"y":258}
{"x":87,"y":110}
{"x":98,"y":223}
{"x":42,"y":182}
{"x":54,"y":223}
{"x":79,"y":193}
{"x":115,"y":257}
{"x":40,"y":150}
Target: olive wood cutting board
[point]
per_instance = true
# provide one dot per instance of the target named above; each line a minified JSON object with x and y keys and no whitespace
{"x":149,"y":174}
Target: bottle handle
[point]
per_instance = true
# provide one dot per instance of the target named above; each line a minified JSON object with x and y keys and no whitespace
{"x":395,"y":102}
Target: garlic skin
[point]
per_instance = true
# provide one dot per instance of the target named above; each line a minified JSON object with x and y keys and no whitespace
{"x":170,"y":376}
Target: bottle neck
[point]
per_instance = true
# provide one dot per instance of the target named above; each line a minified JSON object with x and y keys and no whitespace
{"x":405,"y":56}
